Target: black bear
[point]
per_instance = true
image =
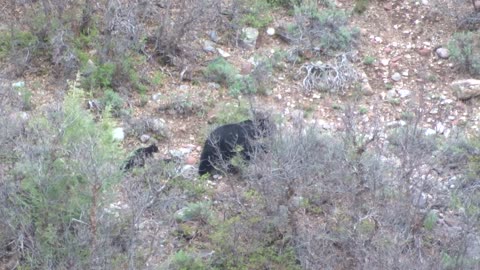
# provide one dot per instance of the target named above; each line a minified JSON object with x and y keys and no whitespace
{"x":225,"y":141}
{"x":138,"y":157}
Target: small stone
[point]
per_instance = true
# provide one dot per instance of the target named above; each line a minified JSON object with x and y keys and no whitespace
{"x":213,"y":85}
{"x":144,"y":138}
{"x":19,"y":84}
{"x":384,"y":62}
{"x":191,"y":160}
{"x":442,"y":53}
{"x":405,"y":73}
{"x":213,"y":36}
{"x":158,"y":126}
{"x":208,"y":46}
{"x":404,"y":93}
{"x":425,"y":2}
{"x":429,"y":132}
{"x":391,"y":94}
{"x":270,"y":31}
{"x":424,"y":51}
{"x":118,"y":134}
{"x":223,"y":53}
{"x":250,"y":36}
{"x":387,"y":50}
{"x":183,"y":87}
{"x":156,"y":97}
{"x":434,"y":111}
{"x":440,"y":128}
{"x":466,"y":89}
{"x":396,"y":58}
{"x":396,"y":76}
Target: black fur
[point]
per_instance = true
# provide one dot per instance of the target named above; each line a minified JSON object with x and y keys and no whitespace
{"x":138,"y":157}
{"x":221,"y":144}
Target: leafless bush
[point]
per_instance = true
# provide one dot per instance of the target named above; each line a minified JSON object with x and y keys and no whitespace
{"x":346,"y":202}
{"x":176,"y":26}
{"x":335,"y":76}
{"x":464,"y":13}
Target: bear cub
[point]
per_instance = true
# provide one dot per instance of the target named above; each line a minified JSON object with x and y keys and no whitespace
{"x":222,"y":144}
{"x":138,"y":157}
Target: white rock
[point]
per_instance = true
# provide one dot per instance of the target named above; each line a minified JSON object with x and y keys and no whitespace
{"x":18,"y":84}
{"x":391,"y":94}
{"x":404,"y":93}
{"x":442,"y":53}
{"x":270,"y":31}
{"x":430,"y":131}
{"x":396,"y":76}
{"x":223,"y":53}
{"x":440,"y":128}
{"x":144,"y":138}
{"x":118,"y":134}
{"x":384,"y":62}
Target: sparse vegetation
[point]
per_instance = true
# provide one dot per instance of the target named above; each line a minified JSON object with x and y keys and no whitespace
{"x":323,"y":32}
{"x":464,"y":50}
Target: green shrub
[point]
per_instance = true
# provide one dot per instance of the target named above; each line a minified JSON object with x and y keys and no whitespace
{"x":242,"y":85}
{"x":232,"y":112}
{"x":19,"y":40}
{"x":430,"y":221}
{"x":68,"y":163}
{"x":195,"y":211}
{"x":185,"y":261}
{"x":102,"y":76}
{"x":325,"y":31}
{"x":368,"y":60}
{"x":257,"y":15}
{"x":113,"y":101}
{"x":158,"y":78}
{"x":220,"y":71}
{"x":464,"y":49}
{"x":360,"y":6}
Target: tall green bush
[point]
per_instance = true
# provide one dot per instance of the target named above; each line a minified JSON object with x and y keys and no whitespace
{"x":67,"y":165}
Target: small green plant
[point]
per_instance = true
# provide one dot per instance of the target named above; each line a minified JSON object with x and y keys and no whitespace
{"x":195,"y":211}
{"x":185,"y":261}
{"x":103,"y":75}
{"x":17,"y":40}
{"x":233,"y":112}
{"x":220,"y":71}
{"x":360,"y":6}
{"x":337,"y":107}
{"x":464,"y":49}
{"x":407,"y":116}
{"x":369,"y":60}
{"x":363,"y":110}
{"x":242,"y":85}
{"x":430,"y":221}
{"x":143,"y":100}
{"x":26,"y":98}
{"x":389,"y":86}
{"x":394,"y":101}
{"x":158,"y":78}
{"x":324,"y":31}
{"x":112,"y":100}
{"x":257,"y":15}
